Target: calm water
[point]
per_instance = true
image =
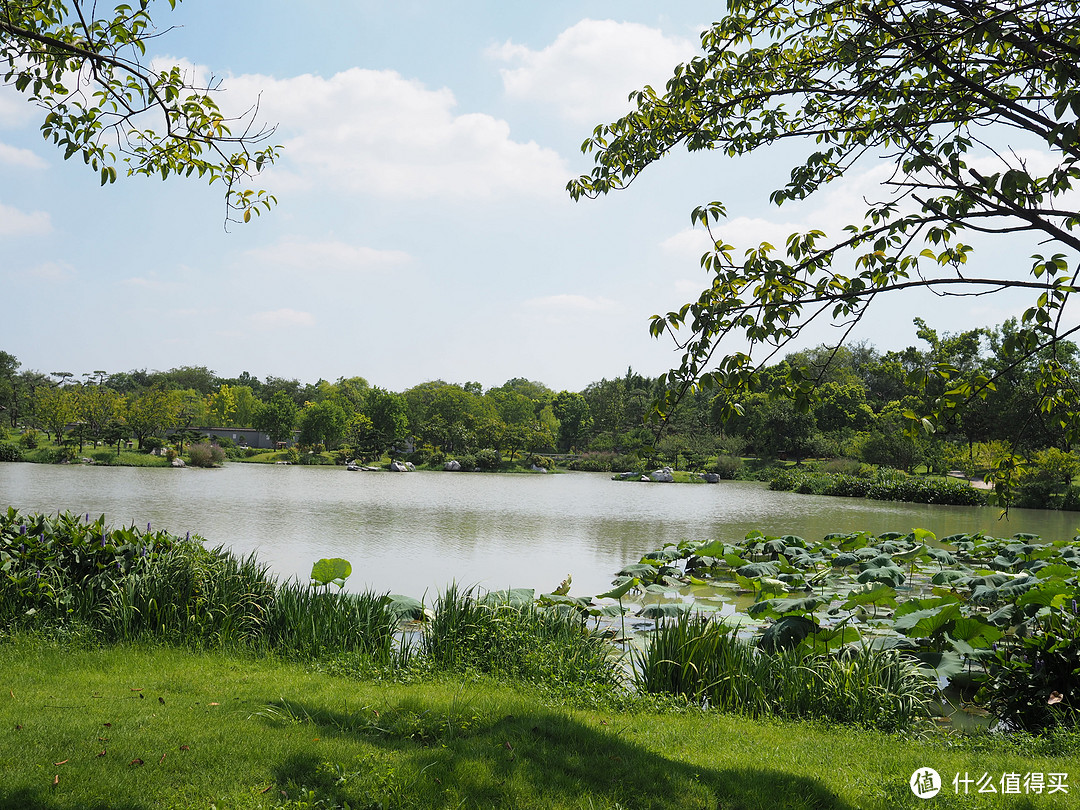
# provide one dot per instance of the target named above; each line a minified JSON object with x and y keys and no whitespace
{"x":416,"y":532}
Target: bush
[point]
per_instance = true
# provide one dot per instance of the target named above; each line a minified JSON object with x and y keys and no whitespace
{"x":593,"y":462}
{"x":842,"y":466}
{"x":151,"y":443}
{"x":204,"y":454}
{"x":30,"y":439}
{"x":1030,"y":681}
{"x":488,"y":459}
{"x":728,"y":467}
{"x":10,"y":452}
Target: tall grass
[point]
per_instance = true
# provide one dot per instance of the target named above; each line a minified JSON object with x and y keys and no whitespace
{"x":489,"y":634}
{"x":707,"y":663}
{"x":130,"y":585}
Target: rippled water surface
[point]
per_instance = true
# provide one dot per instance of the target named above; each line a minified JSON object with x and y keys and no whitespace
{"x":415,"y":532}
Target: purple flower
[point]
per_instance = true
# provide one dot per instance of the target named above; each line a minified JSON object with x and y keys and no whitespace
{"x":87,"y":517}
{"x":22,"y":530}
{"x":147,"y":528}
{"x":188,"y":537}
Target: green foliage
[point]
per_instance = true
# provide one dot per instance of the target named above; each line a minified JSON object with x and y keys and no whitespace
{"x":885,"y":485}
{"x":205,"y":454}
{"x":46,"y":48}
{"x":10,"y":452}
{"x":708,"y":663}
{"x":728,"y":467}
{"x":927,"y":87}
{"x":127,"y":584}
{"x":29,"y":439}
{"x":488,"y":459}
{"x":1030,"y":681}
{"x":514,"y":637}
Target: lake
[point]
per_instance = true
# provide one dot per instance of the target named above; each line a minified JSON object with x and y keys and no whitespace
{"x":416,"y":532}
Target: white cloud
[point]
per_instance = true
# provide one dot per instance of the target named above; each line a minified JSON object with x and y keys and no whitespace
{"x":14,"y":156}
{"x":14,"y":109}
{"x":590,"y":69}
{"x":52,"y":271}
{"x":280,"y":318}
{"x":567,"y":302}
{"x":330,"y":255}
{"x":14,"y":222}
{"x":378,"y":133}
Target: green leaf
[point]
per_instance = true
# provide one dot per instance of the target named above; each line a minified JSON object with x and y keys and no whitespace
{"x":334,"y":570}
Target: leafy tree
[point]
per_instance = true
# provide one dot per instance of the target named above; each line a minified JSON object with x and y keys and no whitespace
{"x":221,"y":406}
{"x":87,"y":69}
{"x":388,"y":414}
{"x":322,"y":423}
{"x":277,"y":418}
{"x":54,"y":407}
{"x":9,"y":387}
{"x":572,"y":411}
{"x":97,"y":407}
{"x":942,"y":89}
{"x":151,"y":412}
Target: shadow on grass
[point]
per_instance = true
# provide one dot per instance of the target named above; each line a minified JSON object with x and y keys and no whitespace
{"x":43,"y":799}
{"x":425,"y":756}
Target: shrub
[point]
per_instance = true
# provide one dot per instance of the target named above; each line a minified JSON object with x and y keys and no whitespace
{"x":205,"y":454}
{"x":1030,"y":681}
{"x":488,"y":459}
{"x":842,"y":466}
{"x":593,"y":462}
{"x":292,"y":455}
{"x":151,"y":443}
{"x":728,"y":467}
{"x":10,"y":452}
{"x":30,"y":439}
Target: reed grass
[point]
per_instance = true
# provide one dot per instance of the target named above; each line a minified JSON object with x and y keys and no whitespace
{"x":708,"y":664}
{"x":473,"y":631}
{"x":128,"y":585}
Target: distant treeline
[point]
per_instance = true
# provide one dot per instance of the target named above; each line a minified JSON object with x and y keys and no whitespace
{"x":855,"y":403}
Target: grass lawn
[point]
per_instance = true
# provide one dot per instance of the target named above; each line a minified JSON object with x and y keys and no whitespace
{"x":131,"y":728}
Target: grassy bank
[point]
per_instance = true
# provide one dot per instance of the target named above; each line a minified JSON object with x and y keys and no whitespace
{"x":136,"y":727}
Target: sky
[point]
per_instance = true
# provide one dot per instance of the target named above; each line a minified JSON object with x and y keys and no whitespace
{"x":422,"y":230}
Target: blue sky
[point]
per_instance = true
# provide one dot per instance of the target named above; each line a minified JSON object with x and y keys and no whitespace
{"x":423,"y":230}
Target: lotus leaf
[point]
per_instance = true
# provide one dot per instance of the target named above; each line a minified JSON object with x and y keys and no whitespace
{"x":941,"y":556}
{"x":640,"y":570}
{"x":761,"y":569}
{"x":830,"y":638}
{"x":666,"y":611}
{"x":844,"y":560}
{"x":941,"y":664}
{"x":621,"y":589}
{"x":947,"y":577}
{"x":1007,"y":592}
{"x":888,"y":575}
{"x":974,"y":631}
{"x":783,"y":607}
{"x":925,"y":623}
{"x":404,"y":608}
{"x":786,"y":632}
{"x":514,"y":597}
{"x":870,"y":593}
{"x":334,"y":570}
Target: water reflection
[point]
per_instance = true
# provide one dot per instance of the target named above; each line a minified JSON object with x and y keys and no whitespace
{"x":416,"y":532}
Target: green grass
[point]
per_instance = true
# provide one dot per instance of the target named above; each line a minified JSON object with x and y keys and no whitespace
{"x":705,"y":661}
{"x":240,"y":732}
